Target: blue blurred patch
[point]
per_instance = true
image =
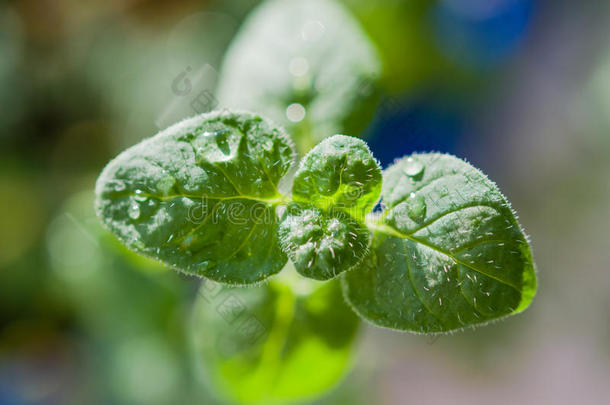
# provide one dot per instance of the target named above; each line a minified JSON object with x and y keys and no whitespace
{"x":404,"y":126}
{"x":480,"y":33}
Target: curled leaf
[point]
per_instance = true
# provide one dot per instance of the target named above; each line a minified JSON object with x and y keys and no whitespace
{"x":322,"y":244}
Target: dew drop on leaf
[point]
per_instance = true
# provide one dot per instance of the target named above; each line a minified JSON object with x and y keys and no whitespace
{"x":213,"y":134}
{"x":206,"y":264}
{"x":412,"y":167}
{"x":134,"y":210}
{"x":165,"y":184}
{"x":416,"y":207}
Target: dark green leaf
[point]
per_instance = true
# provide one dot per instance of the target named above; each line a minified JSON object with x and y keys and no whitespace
{"x":448,"y":251}
{"x":201,"y":196}
{"x":309,"y":54}
{"x":273,"y":343}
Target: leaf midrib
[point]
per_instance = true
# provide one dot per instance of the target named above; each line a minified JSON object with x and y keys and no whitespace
{"x":383,"y":228}
{"x":277,"y":199}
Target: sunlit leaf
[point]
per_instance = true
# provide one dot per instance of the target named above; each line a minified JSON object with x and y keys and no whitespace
{"x":272,"y":344}
{"x":448,"y":251}
{"x":201,"y":195}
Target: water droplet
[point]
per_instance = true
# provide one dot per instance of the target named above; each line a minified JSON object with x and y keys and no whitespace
{"x":204,"y":265}
{"x":134,"y":210}
{"x":295,"y":112}
{"x":298,"y":66}
{"x":413,"y":167}
{"x":416,"y":207}
{"x":165,"y":184}
{"x":213,"y":134}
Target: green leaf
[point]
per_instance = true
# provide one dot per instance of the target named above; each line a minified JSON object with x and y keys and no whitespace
{"x":448,"y":251}
{"x":273,"y":343}
{"x":322,"y":244}
{"x":200,"y":196}
{"x":309,"y":54}
{"x":340,"y":172}
{"x":336,"y":185}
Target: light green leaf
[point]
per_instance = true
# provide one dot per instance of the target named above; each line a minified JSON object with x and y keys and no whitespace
{"x":322,"y":244}
{"x":201,"y":196}
{"x":309,"y":54}
{"x":340,"y":172}
{"x":272,"y":344}
{"x":336,"y":185}
{"x":448,"y":251}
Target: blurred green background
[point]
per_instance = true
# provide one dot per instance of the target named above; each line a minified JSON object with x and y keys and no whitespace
{"x":520,"y":88}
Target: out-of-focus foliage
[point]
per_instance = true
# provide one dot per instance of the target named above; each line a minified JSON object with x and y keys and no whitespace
{"x":21,"y":219}
{"x":442,"y":43}
{"x":130,"y":307}
{"x":285,"y":341}
{"x":590,"y":113}
{"x":305,"y":64}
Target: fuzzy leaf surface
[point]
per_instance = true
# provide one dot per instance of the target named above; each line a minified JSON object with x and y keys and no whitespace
{"x":322,"y":244}
{"x":337,"y":184}
{"x":447,"y":253}
{"x":200,"y":196}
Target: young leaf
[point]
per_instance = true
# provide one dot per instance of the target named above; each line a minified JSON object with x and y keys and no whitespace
{"x":200,"y":196}
{"x":322,"y":244}
{"x":448,"y":251}
{"x":271,"y":344}
{"x":307,"y":65}
{"x":340,"y":172}
{"x":336,"y":185}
